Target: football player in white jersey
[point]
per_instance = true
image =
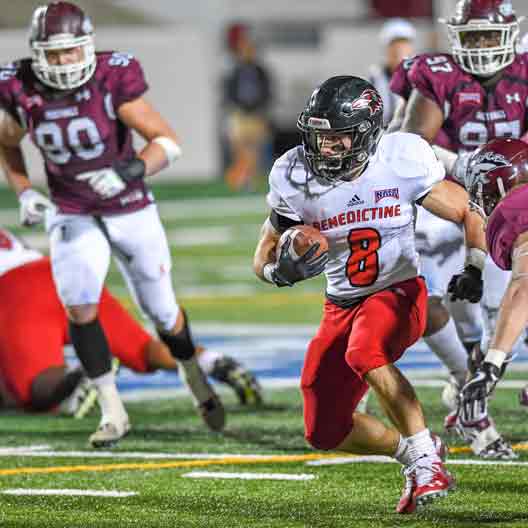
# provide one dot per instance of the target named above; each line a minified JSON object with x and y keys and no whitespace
{"x":360,"y":189}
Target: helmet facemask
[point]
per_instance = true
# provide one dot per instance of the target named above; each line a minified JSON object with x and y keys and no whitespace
{"x":67,"y":76}
{"x":483,"y":61}
{"x":335,"y":156}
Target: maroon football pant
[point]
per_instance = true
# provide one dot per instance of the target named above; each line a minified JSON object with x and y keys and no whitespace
{"x":349,"y":343}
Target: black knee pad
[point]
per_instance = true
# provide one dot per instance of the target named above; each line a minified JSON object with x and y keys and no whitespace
{"x":181,"y":345}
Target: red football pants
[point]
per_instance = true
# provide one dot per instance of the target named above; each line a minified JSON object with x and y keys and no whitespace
{"x":34,"y":328}
{"x":349,"y":343}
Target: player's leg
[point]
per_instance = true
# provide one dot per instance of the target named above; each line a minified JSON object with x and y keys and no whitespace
{"x":385,"y":325}
{"x":439,"y":244}
{"x":139,"y":241}
{"x":80,"y":257}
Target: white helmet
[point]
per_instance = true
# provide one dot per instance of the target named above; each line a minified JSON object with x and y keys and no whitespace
{"x":496,"y":17}
{"x":61,"y":25}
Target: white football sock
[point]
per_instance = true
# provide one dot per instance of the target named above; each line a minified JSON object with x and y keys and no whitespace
{"x":402,"y":452}
{"x":112,"y":407}
{"x":419,"y":445}
{"x":207,"y":359}
{"x":447,"y":346}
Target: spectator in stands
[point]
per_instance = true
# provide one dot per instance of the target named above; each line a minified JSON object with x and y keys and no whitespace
{"x":397,"y":37}
{"x":247,"y":95}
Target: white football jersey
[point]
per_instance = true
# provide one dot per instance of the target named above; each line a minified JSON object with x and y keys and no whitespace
{"x":13,"y":252}
{"x":369,"y":222}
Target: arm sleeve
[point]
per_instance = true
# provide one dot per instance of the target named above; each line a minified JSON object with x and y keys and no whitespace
{"x":129,"y":81}
{"x":281,"y":223}
{"x":275,"y":197}
{"x":400,"y":84}
{"x":7,"y":99}
{"x":416,"y":164}
{"x":423,"y":79}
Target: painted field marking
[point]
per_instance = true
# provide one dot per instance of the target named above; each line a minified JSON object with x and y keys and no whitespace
{"x":17,"y":452}
{"x":374,"y":459}
{"x":248,"y":476}
{"x":68,"y":492}
{"x":145,"y":466}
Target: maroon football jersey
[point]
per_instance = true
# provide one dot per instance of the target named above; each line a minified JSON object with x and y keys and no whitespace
{"x":401,"y":85}
{"x":472,"y":114}
{"x":506,"y":223}
{"x":79,"y":131}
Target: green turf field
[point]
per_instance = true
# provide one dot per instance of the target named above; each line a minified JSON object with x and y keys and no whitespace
{"x":355,"y":494}
{"x":213,"y":238}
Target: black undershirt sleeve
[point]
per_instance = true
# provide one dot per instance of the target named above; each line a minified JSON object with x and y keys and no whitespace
{"x":422,"y":198}
{"x":281,"y":223}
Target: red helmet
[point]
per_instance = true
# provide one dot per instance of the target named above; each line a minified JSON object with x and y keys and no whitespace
{"x":493,"y":170}
{"x":61,"y":25}
{"x":495,"y":17}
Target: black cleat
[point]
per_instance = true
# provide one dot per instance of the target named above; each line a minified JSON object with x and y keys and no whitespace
{"x":242,"y":381}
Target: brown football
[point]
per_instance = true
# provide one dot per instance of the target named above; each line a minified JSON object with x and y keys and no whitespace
{"x":303,"y":238}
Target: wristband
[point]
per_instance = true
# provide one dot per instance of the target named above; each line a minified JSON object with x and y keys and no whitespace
{"x":476,"y":257}
{"x":172,"y":150}
{"x":496,"y":357}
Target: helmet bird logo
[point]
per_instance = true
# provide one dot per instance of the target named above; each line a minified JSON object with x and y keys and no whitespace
{"x":368,"y":99}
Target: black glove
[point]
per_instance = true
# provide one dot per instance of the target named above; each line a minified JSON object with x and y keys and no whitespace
{"x":466,"y":285}
{"x":475,"y":392}
{"x":287,"y":271}
{"x":130,"y":170}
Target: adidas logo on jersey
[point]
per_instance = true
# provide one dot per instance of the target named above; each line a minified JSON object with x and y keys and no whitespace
{"x":355,"y":200}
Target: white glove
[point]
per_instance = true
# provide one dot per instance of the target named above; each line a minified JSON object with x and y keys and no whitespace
{"x":33,"y":206}
{"x":105,"y":182}
{"x":460,"y":167}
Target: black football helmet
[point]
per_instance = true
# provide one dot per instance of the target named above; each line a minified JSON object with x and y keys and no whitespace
{"x":343,"y":106}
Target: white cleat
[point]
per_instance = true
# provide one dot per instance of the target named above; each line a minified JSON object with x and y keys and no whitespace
{"x":109,"y":433}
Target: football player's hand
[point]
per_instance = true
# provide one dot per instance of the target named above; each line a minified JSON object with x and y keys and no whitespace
{"x":288,"y":270}
{"x":466,"y":285}
{"x":109,"y":182}
{"x":475,"y":392}
{"x":33,"y":206}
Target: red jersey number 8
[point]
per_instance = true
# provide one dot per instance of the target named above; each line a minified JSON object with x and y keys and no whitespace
{"x":362,"y":268}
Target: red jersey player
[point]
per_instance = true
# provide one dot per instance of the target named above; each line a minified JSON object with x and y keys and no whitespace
{"x":35,"y":330}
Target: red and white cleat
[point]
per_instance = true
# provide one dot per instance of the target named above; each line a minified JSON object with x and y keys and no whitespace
{"x":407,"y":503}
{"x":433,"y":481}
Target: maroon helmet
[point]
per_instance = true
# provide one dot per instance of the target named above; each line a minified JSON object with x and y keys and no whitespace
{"x":57,"y":26}
{"x":493,"y":170}
{"x":497,"y":19}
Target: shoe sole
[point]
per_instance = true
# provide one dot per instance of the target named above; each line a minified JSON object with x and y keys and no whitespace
{"x":108,"y":443}
{"x":428,"y":498}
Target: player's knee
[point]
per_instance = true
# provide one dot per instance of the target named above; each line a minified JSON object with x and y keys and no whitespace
{"x":437,"y":316}
{"x":326,"y":438}
{"x":82,"y":314}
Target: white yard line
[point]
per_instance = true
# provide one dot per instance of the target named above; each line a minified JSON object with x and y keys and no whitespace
{"x":247,"y":476}
{"x":68,"y":492}
{"x":374,"y":459}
